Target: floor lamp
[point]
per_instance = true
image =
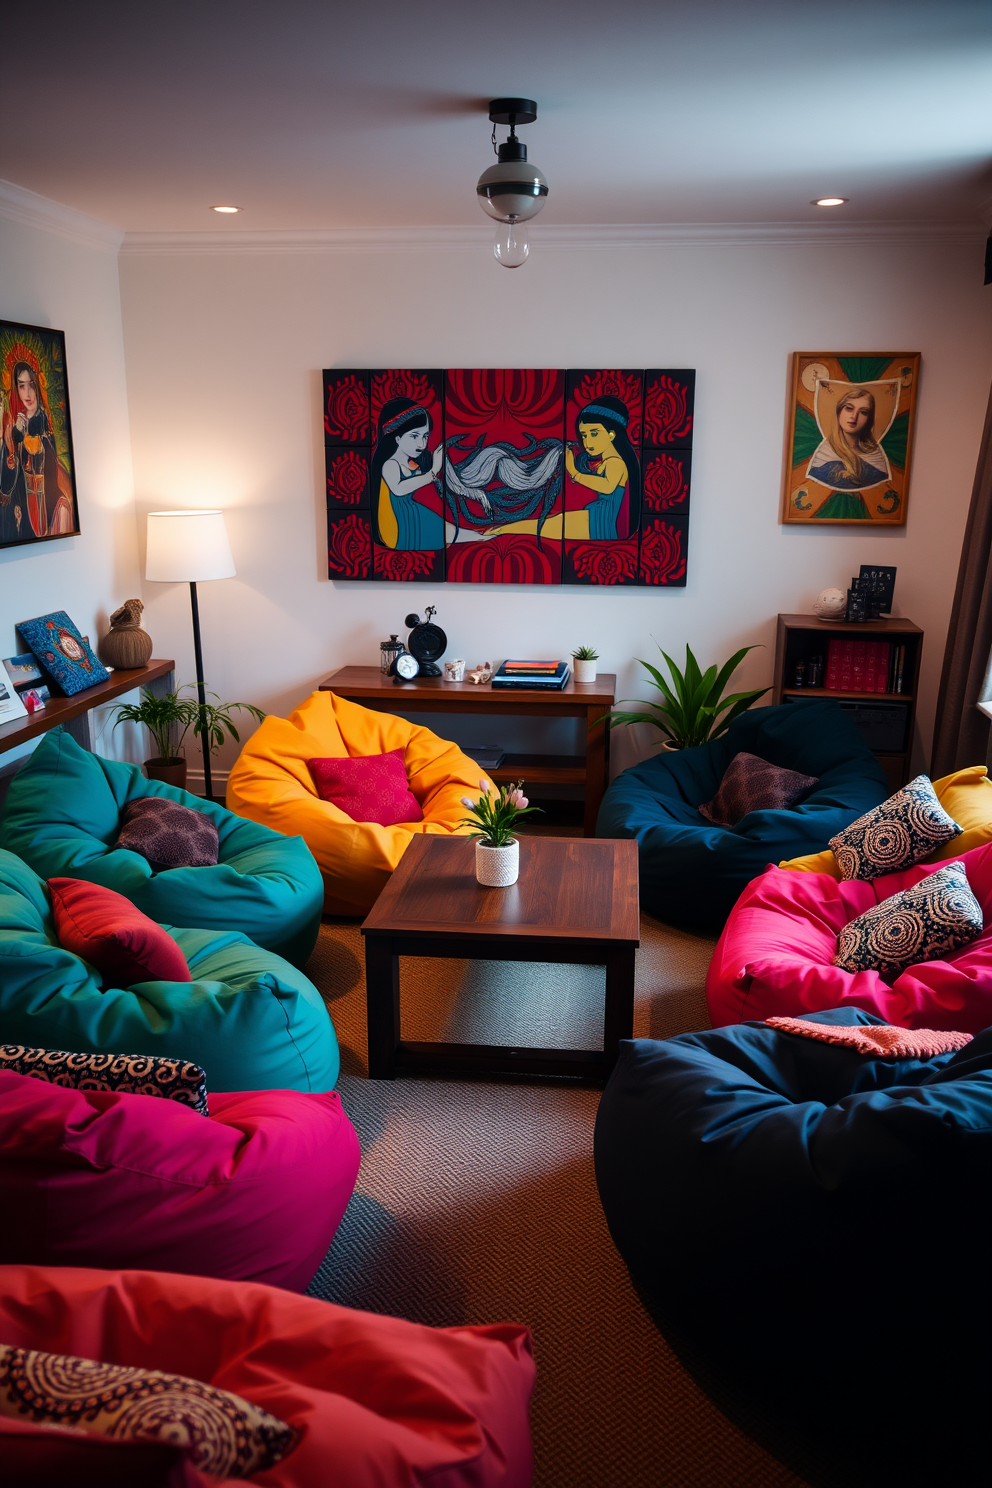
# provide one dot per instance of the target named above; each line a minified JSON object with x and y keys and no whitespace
{"x":188,"y":547}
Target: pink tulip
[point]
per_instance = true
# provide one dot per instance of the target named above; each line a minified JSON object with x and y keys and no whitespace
{"x":518,"y":799}
{"x":484,"y":787}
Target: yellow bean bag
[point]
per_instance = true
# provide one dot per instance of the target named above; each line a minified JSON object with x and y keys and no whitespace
{"x":966,"y":796}
{"x":271,"y":785}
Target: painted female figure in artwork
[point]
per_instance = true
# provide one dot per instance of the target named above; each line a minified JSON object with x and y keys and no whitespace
{"x":606,"y":465}
{"x":402,"y":467}
{"x":35,"y":491}
{"x":849,"y":459}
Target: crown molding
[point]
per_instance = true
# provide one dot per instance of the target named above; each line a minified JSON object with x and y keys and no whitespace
{"x":18,"y":204}
{"x":562,"y":235}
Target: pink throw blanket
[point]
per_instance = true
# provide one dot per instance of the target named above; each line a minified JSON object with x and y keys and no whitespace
{"x":878,"y":1039}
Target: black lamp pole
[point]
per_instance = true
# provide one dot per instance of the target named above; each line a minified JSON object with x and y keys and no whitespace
{"x":201,"y":693}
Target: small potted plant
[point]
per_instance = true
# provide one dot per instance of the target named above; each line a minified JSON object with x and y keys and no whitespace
{"x":169,"y":719}
{"x":585,"y":658}
{"x":692,"y":709}
{"x":492,"y":819}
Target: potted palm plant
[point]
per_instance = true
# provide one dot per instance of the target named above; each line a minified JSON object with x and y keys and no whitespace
{"x":492,"y":819}
{"x":170,"y":718}
{"x":693,"y":708}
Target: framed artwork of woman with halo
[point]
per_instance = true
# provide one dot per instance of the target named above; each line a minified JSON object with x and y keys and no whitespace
{"x":850,"y":436}
{"x":37,"y":472}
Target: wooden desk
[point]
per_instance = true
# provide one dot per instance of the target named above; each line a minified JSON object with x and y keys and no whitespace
{"x":575,"y":902}
{"x":74,"y":712}
{"x":588,"y":700}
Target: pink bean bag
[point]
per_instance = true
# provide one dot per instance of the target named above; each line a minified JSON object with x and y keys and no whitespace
{"x":378,"y":1401}
{"x":776,"y":954}
{"x":253,"y":1192}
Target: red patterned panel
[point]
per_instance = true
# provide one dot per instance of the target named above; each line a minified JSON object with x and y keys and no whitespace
{"x":349,"y":546}
{"x":666,"y":481}
{"x":516,"y":559}
{"x":423,"y":387}
{"x":403,"y":564}
{"x":663,"y":551}
{"x":504,"y":404}
{"x":669,"y":398}
{"x":346,"y":406}
{"x":601,"y":562}
{"x":347,"y":473}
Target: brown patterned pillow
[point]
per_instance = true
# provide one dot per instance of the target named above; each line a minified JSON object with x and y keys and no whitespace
{"x":167,"y":834}
{"x":751,"y":783}
{"x":134,"y":1074}
{"x":222,"y":1434}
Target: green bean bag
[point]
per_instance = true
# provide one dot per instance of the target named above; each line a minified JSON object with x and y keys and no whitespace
{"x":249,"y":1018}
{"x":62,"y":817}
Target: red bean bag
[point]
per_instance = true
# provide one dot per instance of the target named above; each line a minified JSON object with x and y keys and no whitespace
{"x":253,"y":1192}
{"x":776,"y":954}
{"x":378,"y":1401}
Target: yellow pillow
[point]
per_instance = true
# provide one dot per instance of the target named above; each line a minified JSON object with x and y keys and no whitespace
{"x":966,"y":796}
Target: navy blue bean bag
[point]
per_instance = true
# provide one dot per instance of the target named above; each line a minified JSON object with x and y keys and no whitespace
{"x":812,"y":1229}
{"x":692,"y":872}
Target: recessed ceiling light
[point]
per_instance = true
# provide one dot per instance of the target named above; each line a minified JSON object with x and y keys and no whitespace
{"x":825,"y":201}
{"x":225,"y":209}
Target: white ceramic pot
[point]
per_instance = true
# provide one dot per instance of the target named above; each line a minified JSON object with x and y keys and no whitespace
{"x":670,"y":747}
{"x":497,"y":867}
{"x":585,"y":671}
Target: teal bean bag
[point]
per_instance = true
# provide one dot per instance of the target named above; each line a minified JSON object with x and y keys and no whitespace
{"x":249,"y":1018}
{"x":692,"y":871}
{"x":62,"y":817}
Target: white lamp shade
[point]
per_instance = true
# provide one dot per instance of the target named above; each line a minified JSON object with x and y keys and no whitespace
{"x":185,"y":547}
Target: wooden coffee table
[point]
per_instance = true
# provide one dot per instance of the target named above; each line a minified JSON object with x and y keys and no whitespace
{"x":576,"y":902}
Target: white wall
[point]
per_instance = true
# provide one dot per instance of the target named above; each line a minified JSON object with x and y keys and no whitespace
{"x":224,"y":352}
{"x":65,"y":276}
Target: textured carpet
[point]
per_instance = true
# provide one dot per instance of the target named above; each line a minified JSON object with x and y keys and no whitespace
{"x":477,"y":1202}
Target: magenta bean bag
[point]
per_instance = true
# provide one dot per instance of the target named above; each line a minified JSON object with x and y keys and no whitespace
{"x":252,"y":1192}
{"x":776,"y":954}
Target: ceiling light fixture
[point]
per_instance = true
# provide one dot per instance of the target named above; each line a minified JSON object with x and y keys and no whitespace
{"x":512,"y":191}
{"x":829,"y":201}
{"x":225,"y":209}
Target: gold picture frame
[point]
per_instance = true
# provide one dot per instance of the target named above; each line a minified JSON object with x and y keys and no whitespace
{"x":849,"y":437}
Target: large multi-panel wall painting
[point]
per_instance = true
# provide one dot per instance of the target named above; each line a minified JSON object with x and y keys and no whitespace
{"x":493,"y":476}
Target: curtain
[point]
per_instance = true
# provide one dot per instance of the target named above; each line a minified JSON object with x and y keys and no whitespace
{"x":961,"y":732}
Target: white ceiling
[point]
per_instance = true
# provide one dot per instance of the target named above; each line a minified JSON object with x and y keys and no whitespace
{"x":316,"y":115}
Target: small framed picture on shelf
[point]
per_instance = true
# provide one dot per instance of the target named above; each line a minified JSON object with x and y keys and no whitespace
{"x":24,"y":677}
{"x":11,"y":706}
{"x":877,"y":582}
{"x":63,"y":652}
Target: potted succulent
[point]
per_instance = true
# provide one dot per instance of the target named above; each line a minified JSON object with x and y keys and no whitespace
{"x":170,"y":718}
{"x":693,"y":708}
{"x":492,"y":819}
{"x":585,"y":658}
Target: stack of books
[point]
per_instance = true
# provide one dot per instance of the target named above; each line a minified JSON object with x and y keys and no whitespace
{"x":859,"y":666}
{"x":489,"y":756}
{"x":549,"y":674}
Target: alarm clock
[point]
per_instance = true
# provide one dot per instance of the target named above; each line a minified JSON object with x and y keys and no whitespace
{"x":404,"y":668}
{"x":426,"y":641}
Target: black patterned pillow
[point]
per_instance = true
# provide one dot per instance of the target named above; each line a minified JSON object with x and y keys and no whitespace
{"x":904,"y":830}
{"x":222,"y":1434}
{"x":167,"y":834}
{"x":134,"y":1074}
{"x":923,"y":923}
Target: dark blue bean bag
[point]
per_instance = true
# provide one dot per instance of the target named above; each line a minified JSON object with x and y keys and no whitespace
{"x":692,"y":872}
{"x":812,"y":1228}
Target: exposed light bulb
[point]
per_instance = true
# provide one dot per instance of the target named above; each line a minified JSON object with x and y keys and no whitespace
{"x":510,"y":246}
{"x":225,"y":209}
{"x":829,"y":201}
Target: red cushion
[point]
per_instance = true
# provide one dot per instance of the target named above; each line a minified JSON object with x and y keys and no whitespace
{"x":379,"y":1401}
{"x":254,"y":1192}
{"x":105,"y":929}
{"x":369,"y":788}
{"x":776,"y":953}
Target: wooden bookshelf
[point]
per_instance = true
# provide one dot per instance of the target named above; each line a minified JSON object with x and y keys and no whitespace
{"x":800,"y":637}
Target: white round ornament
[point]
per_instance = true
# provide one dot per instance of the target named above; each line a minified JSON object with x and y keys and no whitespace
{"x":830,"y":604}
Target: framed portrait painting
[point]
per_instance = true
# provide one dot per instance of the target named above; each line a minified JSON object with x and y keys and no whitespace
{"x":849,"y":437}
{"x":37,"y":471}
